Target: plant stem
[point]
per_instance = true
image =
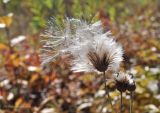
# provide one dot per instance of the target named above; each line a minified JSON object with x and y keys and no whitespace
{"x":106,"y":92}
{"x":110,"y":101}
{"x":121,"y":103}
{"x":131,"y":102}
{"x":104,"y":101}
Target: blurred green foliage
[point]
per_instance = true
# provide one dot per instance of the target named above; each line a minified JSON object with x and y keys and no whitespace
{"x":35,"y":13}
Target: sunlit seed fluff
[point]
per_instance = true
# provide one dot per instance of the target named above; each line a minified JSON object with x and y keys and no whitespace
{"x":101,"y":53}
{"x":58,"y":37}
{"x":92,"y":48}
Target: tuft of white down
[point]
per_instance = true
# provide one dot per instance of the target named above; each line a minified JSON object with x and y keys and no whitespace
{"x":78,"y":38}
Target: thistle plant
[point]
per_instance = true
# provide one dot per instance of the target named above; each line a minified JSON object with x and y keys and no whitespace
{"x":91,"y":47}
{"x":125,"y":81}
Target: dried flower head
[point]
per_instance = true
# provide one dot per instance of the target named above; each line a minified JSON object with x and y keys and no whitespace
{"x":92,"y":49}
{"x":121,"y":81}
{"x":125,"y":81}
{"x":100,"y":54}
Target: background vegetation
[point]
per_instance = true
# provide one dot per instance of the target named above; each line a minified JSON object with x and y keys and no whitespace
{"x":26,"y":88}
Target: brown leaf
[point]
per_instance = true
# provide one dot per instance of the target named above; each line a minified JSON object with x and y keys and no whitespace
{"x":6,"y":20}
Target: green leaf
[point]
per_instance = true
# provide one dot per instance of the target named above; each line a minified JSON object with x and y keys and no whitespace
{"x":48,"y":3}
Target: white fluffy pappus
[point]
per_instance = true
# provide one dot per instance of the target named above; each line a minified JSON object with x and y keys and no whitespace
{"x":58,"y":37}
{"x":124,"y":77}
{"x":100,"y":54}
{"x":92,"y":48}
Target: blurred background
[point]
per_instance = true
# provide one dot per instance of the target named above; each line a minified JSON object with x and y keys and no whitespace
{"x":25,"y":87}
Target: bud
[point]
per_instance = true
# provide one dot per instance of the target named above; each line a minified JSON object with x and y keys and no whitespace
{"x":131,"y":87}
{"x":125,"y":81}
{"x":121,"y":86}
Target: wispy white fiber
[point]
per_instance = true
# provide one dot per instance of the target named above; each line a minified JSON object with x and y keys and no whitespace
{"x":124,"y":77}
{"x":92,"y":49}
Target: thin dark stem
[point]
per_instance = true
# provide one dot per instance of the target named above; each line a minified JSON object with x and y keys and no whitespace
{"x":104,"y":77}
{"x":103,"y":104}
{"x":131,"y":102}
{"x":110,"y":101}
{"x":106,"y":92}
{"x":8,"y":37}
{"x":121,"y":103}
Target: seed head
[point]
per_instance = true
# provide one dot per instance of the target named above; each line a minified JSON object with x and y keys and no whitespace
{"x":125,"y":81}
{"x":91,"y":48}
